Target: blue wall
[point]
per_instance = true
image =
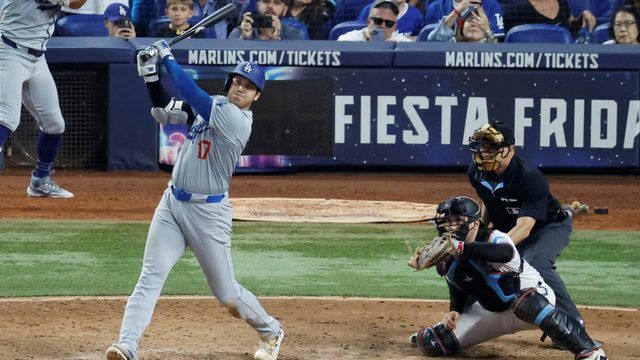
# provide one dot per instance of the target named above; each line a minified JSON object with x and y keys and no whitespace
{"x":411,"y":104}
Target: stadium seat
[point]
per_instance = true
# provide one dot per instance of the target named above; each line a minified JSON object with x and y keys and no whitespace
{"x":348,"y":10}
{"x":424,"y":32}
{"x":345,"y":27}
{"x":603,"y":9}
{"x":81,"y":25}
{"x":601,"y":33}
{"x":294,"y":23}
{"x":539,"y":33}
{"x":163,"y":21}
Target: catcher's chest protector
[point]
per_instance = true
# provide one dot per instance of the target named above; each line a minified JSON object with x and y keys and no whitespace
{"x":494,"y":291}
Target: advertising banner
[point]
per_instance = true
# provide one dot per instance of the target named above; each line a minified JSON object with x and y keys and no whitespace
{"x":411,"y":117}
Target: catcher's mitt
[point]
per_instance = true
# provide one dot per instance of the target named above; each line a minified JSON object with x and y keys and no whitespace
{"x":426,"y":256}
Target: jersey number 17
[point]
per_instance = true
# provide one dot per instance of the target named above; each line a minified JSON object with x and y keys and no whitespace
{"x":204,"y":146}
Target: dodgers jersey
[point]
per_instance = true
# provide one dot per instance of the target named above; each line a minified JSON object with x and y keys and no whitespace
{"x":209,"y":156}
{"x":29,"y":23}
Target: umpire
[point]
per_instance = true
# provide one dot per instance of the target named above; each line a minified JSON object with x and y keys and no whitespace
{"x":516,"y":199}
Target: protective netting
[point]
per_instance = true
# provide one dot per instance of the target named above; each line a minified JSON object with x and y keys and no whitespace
{"x":83,"y":103}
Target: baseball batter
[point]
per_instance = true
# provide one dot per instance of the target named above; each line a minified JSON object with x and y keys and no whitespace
{"x":25,"y":29}
{"x":509,"y":294}
{"x":195,"y":211}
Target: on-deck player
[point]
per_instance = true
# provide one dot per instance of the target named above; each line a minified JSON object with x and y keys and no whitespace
{"x":195,"y":211}
{"x":508,"y":295}
{"x":25,"y":29}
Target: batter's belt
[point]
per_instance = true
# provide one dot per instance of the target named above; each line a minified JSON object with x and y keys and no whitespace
{"x":183,"y":195}
{"x":30,"y":51}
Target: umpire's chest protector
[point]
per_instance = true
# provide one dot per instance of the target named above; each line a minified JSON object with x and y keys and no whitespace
{"x":493,"y":290}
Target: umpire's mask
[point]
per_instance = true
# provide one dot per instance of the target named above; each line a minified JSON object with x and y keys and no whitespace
{"x":487,"y":144}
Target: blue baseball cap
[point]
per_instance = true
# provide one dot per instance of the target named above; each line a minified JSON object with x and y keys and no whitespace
{"x":116,"y":11}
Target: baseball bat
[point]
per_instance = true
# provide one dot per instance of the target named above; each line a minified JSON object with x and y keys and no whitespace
{"x":226,"y":11}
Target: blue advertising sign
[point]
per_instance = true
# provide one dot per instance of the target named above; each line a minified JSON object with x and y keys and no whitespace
{"x":424,"y":117}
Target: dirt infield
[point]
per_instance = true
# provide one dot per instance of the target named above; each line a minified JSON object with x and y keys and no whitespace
{"x":199,"y":328}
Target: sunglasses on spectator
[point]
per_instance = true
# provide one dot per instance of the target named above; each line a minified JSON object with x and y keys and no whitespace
{"x":622,"y":24}
{"x":378,"y":22}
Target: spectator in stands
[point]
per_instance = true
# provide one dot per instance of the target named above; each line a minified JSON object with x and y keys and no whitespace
{"x":438,"y":9}
{"x":179,"y":13}
{"x":118,"y":21}
{"x":266,"y":24}
{"x":554,"y":12}
{"x":311,"y":13}
{"x":475,"y":26}
{"x":624,"y":26}
{"x":382,"y":24}
{"x":409,"y":18}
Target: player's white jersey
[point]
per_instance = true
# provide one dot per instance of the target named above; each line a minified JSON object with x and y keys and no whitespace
{"x":210,"y":154}
{"x":29,"y":23}
{"x":529,"y":277}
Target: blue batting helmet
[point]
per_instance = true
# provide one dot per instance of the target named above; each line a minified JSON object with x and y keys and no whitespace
{"x":251,"y":71}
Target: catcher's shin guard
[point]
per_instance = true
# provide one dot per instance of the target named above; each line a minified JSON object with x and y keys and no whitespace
{"x":437,"y":341}
{"x":532,"y":307}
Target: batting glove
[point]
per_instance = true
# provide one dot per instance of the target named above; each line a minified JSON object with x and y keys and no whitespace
{"x":162,"y":46}
{"x":147,"y":67}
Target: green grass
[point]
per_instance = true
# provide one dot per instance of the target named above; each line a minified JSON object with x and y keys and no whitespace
{"x":40,"y":258}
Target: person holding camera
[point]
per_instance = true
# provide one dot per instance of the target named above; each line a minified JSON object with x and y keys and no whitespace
{"x":117,"y":19}
{"x":266,"y":24}
{"x":439,"y":9}
{"x":409,"y":18}
{"x":179,"y":13}
{"x":466,"y":23}
{"x":382,"y":25}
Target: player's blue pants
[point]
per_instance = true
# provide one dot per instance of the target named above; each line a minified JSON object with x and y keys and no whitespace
{"x":542,"y":250}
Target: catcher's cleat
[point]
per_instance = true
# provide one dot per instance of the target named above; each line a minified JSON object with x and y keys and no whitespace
{"x":413,"y":339}
{"x":45,"y":187}
{"x":269,"y":348}
{"x":120,"y":352}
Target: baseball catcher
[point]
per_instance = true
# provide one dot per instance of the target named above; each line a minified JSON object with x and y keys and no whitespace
{"x":493,"y":291}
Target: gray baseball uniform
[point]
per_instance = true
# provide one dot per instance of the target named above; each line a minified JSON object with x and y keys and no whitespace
{"x":195,"y":212}
{"x":25,"y":28}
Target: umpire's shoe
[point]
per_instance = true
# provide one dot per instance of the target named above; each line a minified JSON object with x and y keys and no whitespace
{"x":269,"y":348}
{"x":120,"y":352}
{"x":45,"y":187}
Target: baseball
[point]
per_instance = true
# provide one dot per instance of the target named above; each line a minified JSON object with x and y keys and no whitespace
{"x":575,"y":205}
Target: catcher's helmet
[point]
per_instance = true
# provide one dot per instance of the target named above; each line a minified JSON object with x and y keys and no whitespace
{"x":452,"y":210}
{"x":251,"y":71}
{"x":493,"y":137}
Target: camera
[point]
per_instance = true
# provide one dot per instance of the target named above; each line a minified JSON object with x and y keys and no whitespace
{"x":123,"y":23}
{"x":467,"y":12}
{"x":262,"y":21}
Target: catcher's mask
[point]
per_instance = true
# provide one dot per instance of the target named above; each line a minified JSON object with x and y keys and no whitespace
{"x":454,"y":216}
{"x":490,"y":139}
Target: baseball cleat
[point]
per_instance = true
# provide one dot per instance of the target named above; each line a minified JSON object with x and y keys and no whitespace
{"x":597,"y":354}
{"x":269,"y":348}
{"x":413,"y":339}
{"x":45,"y":187}
{"x":119,"y":352}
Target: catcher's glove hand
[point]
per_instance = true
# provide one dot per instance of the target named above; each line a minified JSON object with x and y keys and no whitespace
{"x":440,"y":248}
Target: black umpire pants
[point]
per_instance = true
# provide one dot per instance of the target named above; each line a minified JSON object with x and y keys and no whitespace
{"x":541,"y":250}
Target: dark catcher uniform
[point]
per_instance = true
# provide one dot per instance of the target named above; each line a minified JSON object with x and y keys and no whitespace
{"x":524,"y":191}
